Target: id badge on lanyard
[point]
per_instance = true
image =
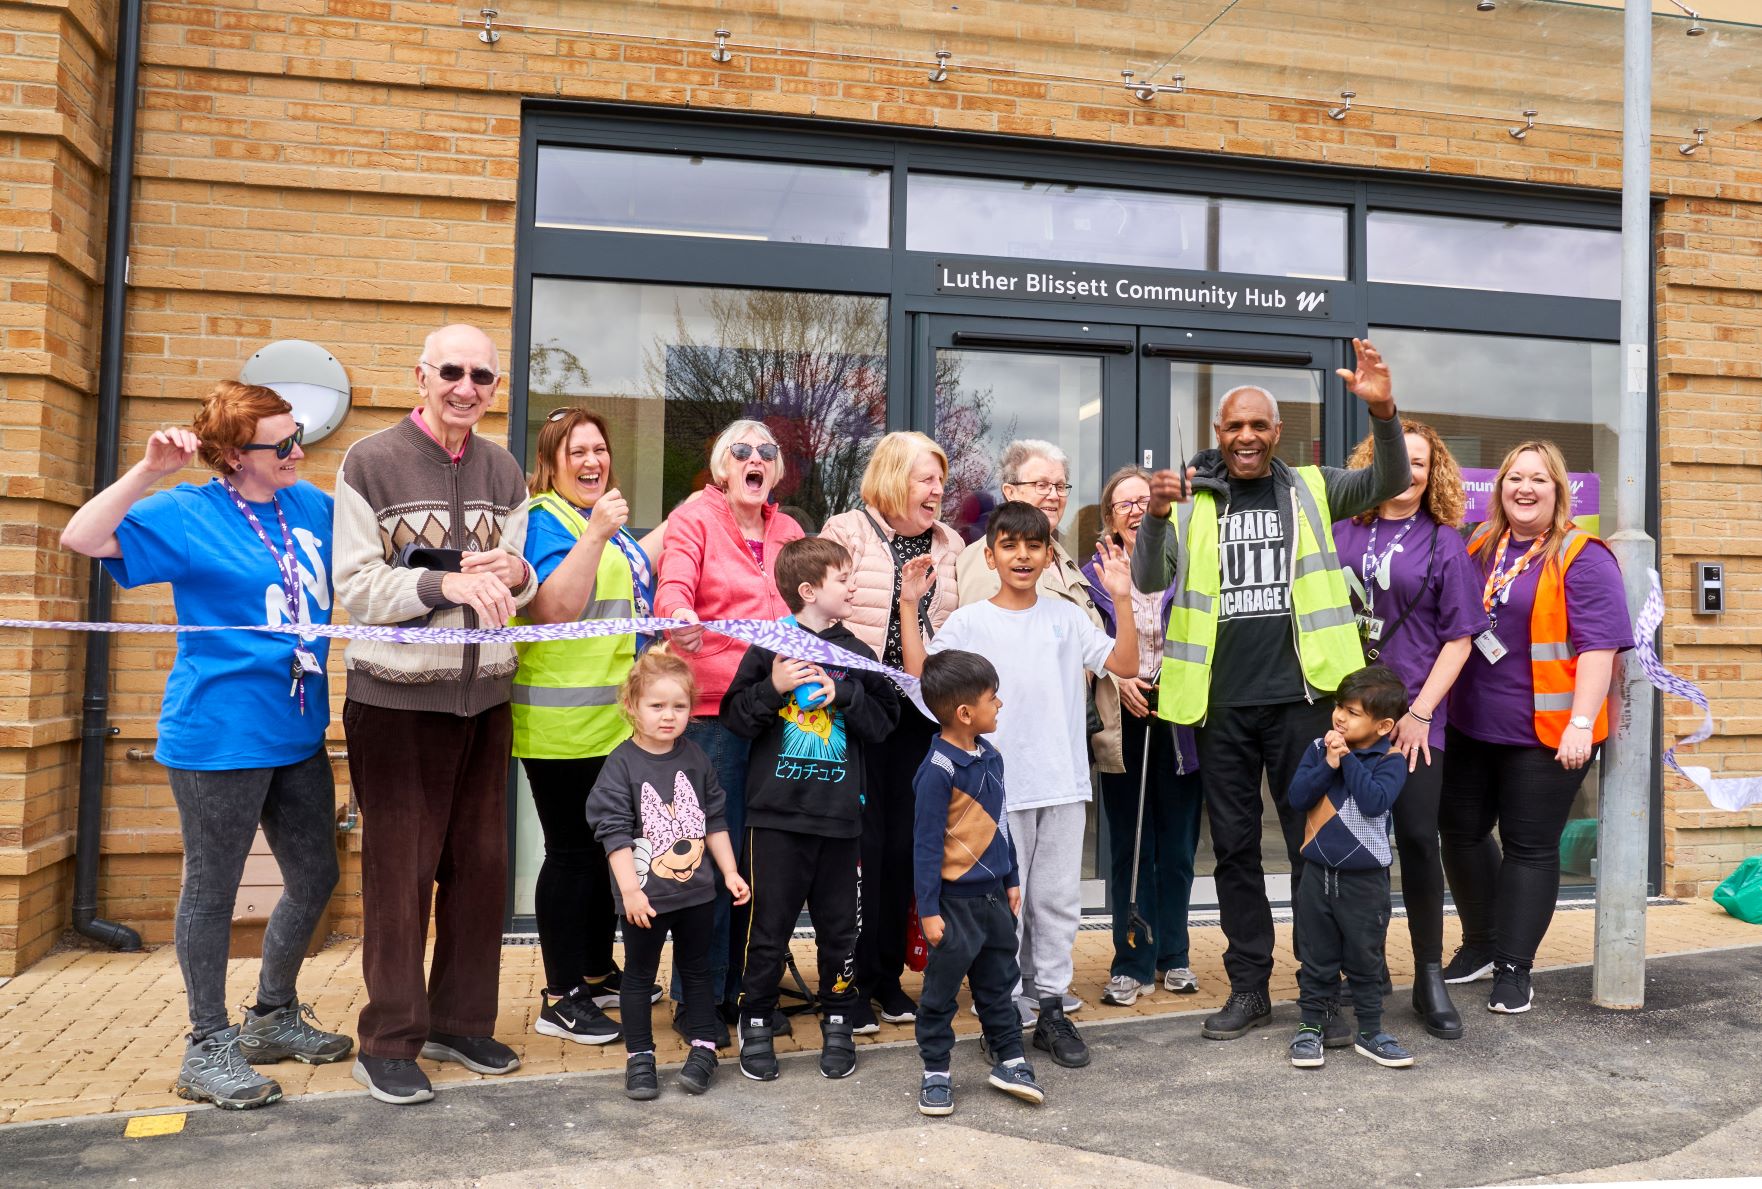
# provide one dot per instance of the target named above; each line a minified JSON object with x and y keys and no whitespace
{"x":305,"y":661}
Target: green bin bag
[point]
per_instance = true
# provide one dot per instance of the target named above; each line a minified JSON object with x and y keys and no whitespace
{"x":1741,"y":893}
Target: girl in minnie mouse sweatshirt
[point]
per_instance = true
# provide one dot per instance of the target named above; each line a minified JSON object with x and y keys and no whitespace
{"x":657,"y":809}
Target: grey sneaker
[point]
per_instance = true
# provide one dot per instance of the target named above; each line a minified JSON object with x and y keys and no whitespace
{"x":214,"y":1070}
{"x":1123,"y":990}
{"x":1181,"y":981}
{"x":283,"y":1032}
{"x":1306,"y":1048}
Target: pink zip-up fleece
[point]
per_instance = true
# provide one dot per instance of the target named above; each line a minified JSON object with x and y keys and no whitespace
{"x":707,"y":565}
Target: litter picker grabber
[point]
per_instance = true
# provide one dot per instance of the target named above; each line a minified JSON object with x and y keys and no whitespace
{"x":1136,"y":925}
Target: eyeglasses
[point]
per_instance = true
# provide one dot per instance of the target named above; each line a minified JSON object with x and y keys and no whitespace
{"x":1126,"y":507}
{"x":282,"y":448}
{"x":452,"y":373}
{"x":744,"y":450}
{"x":1045,"y":488}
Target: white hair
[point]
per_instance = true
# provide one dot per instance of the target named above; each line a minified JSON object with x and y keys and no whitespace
{"x":1022,"y":451}
{"x":1270,"y":399}
{"x":739,"y":429}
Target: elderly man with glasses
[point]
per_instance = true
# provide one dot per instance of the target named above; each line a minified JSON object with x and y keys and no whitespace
{"x":430,"y":521}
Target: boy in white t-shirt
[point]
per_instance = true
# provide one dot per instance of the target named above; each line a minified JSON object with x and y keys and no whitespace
{"x":1043,"y":650}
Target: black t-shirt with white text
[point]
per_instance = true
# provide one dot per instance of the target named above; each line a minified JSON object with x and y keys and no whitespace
{"x":1256,"y":653}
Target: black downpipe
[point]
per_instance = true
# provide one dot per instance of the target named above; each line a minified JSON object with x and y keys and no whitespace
{"x":95,"y":729}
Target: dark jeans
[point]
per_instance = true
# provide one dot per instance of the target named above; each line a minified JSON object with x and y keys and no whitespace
{"x":887,"y":849}
{"x":692,"y":929}
{"x":1172,"y":804}
{"x":1422,"y":873}
{"x":577,"y":918}
{"x":1344,"y":916}
{"x":728,"y":754}
{"x":784,"y":869}
{"x":433,"y":790}
{"x":1506,"y":900}
{"x":979,"y":945}
{"x":218,"y":813}
{"x":1236,"y":745}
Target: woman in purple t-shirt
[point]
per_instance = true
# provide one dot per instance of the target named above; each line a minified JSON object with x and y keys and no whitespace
{"x":1525,"y":718}
{"x":1419,"y":605}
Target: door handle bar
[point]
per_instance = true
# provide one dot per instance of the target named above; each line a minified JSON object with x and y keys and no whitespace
{"x":1042,"y":342}
{"x":1229,"y":355}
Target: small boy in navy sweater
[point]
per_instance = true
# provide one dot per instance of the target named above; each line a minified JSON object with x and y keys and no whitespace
{"x":1348,"y":780}
{"x":968,"y":887}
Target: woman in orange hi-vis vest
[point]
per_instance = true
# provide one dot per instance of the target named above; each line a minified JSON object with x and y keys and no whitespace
{"x":1526,"y":717}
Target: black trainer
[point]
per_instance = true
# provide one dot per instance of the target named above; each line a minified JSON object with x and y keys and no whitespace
{"x":862,"y":1018}
{"x":575,"y":1017}
{"x":392,"y":1079}
{"x":640,"y":1081}
{"x":698,"y":1071}
{"x":1468,"y":966}
{"x":838,"y":1051}
{"x":722,"y":1038}
{"x":1054,"y":1033}
{"x":1241,"y":1011}
{"x":607,"y":991}
{"x":896,"y":1006}
{"x":479,"y":1054}
{"x":758,"y":1058}
{"x":1512,"y":992}
{"x":1336,"y":1032}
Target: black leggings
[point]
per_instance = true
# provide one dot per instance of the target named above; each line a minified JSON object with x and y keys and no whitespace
{"x":691,"y":929}
{"x":573,"y":896}
{"x":887,"y":850}
{"x":1422,"y":874}
{"x":1506,"y":899}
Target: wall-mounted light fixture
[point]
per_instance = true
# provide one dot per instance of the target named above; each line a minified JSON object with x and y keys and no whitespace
{"x":1147,"y":91}
{"x":1688,"y":150}
{"x":489,"y":36}
{"x":722,"y":53}
{"x":940,"y":74}
{"x":1485,"y":6}
{"x":1339,"y":113}
{"x":1696,"y":28}
{"x":306,"y":376}
{"x":1529,"y":122}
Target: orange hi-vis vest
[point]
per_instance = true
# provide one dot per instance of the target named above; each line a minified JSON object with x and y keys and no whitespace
{"x":1553,"y":660}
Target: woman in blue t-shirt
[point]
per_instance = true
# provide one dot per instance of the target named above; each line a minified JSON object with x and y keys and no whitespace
{"x":242,"y":722}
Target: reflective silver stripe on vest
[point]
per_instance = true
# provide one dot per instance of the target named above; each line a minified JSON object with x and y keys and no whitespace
{"x":1311,"y":564}
{"x":609,"y":609}
{"x":568,"y":697}
{"x":1193,"y":600}
{"x":1554,"y":701}
{"x":1177,"y":650}
{"x":1552,"y":652}
{"x":1327,"y":617}
{"x":1317,"y":527}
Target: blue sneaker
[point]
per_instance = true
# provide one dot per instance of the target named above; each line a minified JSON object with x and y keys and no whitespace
{"x":1306,"y":1048}
{"x":1018,"y":1082}
{"x":936,"y":1097}
{"x":1384,"y":1050}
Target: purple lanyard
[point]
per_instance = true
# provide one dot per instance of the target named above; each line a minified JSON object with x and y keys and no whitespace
{"x":1372,"y":563}
{"x":284,"y":561}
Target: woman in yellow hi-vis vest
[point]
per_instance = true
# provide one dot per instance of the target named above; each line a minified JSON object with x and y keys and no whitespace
{"x":1261,"y":631}
{"x":565,"y":708}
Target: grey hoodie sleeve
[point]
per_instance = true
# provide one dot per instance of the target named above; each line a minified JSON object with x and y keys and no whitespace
{"x":610,"y":809}
{"x":1156,"y":553}
{"x":1387,"y":476}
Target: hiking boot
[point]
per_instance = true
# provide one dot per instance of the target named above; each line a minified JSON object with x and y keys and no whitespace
{"x":640,"y":1082}
{"x":1307,"y":1051}
{"x":1018,"y":1082}
{"x":1181,"y":981}
{"x":862,"y":1018}
{"x":575,"y":1017}
{"x":838,"y":1052}
{"x":608,"y":990}
{"x":720,"y":1027}
{"x":1123,"y":990}
{"x":1512,"y":993}
{"x":896,"y":1006}
{"x":215,"y":1070}
{"x":698,"y":1071}
{"x":1241,"y":1011}
{"x":1055,"y":1034}
{"x":936,"y":1096}
{"x":1384,"y":1050}
{"x":396,"y":1080}
{"x":1336,"y":1032}
{"x":283,"y":1032}
{"x":1468,"y":966}
{"x":479,"y":1054}
{"x":758,"y":1058}
{"x":1431,"y":1001}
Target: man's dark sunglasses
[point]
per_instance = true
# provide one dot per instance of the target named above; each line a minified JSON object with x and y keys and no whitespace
{"x":282,"y":448}
{"x":744,"y":450}
{"x":452,"y":373}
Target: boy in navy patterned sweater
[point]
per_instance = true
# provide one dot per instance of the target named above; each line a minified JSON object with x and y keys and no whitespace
{"x":1348,"y":780}
{"x":968,"y":887}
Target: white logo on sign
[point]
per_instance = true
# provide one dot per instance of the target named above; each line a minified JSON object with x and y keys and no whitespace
{"x":1307,"y":302}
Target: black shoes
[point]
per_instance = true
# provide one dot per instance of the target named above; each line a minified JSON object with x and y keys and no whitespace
{"x":1512,"y":993}
{"x":758,"y":1058}
{"x":392,"y":1079}
{"x":896,"y":1006}
{"x":575,"y":1017}
{"x":1054,"y":1033}
{"x":606,"y":991}
{"x":1468,"y":966}
{"x":640,"y":1081}
{"x":862,"y":1018}
{"x":722,"y":1039}
{"x":838,"y":1051}
{"x":698,"y":1071}
{"x":1431,"y":1001}
{"x":479,"y":1054}
{"x":1242,"y":1011}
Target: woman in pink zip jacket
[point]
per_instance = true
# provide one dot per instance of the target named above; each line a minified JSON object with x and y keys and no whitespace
{"x":718,"y":563}
{"x":1172,"y":796}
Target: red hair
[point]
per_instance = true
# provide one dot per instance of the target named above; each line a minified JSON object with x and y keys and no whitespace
{"x":229,"y":418}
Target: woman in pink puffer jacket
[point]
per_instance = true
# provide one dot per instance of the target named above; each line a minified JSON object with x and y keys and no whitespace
{"x":902,"y":497}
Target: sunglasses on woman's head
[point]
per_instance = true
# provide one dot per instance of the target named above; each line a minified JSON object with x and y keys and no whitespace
{"x":282,"y":448}
{"x":452,"y":373}
{"x":744,"y":450}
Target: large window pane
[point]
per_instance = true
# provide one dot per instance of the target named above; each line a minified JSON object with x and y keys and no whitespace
{"x":1490,"y":254}
{"x":719,"y":197}
{"x":1107,"y":225}
{"x":670,"y":366}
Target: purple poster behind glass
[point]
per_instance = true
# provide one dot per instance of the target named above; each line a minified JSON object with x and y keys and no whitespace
{"x":1587,"y":496}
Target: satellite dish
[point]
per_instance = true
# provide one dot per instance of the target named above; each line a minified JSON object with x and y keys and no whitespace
{"x":306,"y":376}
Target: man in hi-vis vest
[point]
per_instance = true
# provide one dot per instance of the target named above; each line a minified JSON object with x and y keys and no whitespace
{"x":1261,"y":632}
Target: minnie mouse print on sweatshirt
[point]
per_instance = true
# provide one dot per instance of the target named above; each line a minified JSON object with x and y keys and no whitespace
{"x":662,"y":807}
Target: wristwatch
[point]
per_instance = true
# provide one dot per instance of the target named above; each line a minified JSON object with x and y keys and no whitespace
{"x":1581,"y":722}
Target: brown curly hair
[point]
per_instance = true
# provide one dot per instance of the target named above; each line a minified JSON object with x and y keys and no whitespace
{"x":1443,"y":495}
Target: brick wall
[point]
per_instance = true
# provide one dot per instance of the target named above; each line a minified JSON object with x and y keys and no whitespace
{"x":344,"y":171}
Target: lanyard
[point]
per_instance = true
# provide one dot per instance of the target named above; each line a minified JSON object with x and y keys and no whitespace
{"x":1499,"y":579}
{"x":1376,"y":569}
{"x":285,"y":562}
